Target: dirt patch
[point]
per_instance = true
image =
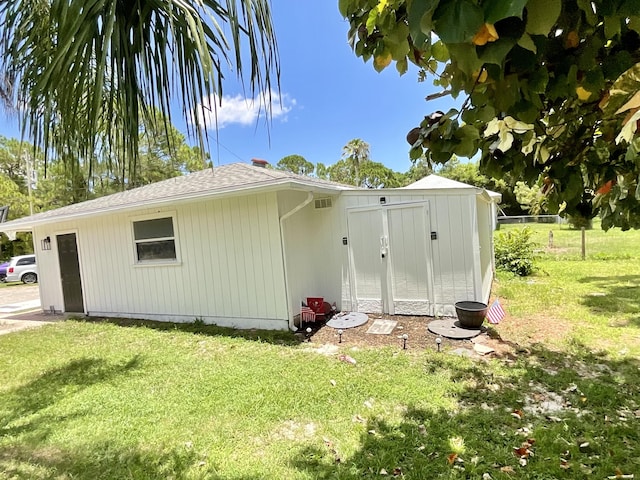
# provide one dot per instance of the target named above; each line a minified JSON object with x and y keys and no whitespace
{"x":540,"y":328}
{"x":418,"y":336}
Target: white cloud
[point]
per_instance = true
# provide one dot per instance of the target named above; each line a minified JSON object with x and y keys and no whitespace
{"x":243,"y":111}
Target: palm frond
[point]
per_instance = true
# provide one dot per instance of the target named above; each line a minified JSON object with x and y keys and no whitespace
{"x":84,"y":74}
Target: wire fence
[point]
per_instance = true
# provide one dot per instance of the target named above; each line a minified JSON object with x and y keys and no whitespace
{"x":510,"y":219}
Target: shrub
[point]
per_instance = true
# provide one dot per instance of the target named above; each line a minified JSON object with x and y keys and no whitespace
{"x":514,"y":252}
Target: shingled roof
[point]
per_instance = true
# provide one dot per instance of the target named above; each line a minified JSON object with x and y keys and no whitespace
{"x":211,"y":182}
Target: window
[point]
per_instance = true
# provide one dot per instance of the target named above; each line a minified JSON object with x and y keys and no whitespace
{"x":26,"y":261}
{"x":154,"y":240}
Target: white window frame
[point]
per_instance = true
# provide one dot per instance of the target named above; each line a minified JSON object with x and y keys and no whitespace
{"x":134,"y":242}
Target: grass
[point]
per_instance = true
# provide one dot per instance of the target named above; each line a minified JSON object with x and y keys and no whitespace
{"x":101,"y":400}
{"x":596,"y":300}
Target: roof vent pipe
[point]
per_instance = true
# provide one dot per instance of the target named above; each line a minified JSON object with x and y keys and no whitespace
{"x":257,"y":162}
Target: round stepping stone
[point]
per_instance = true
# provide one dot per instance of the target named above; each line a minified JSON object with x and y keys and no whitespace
{"x":450,"y":328}
{"x":348,"y":320}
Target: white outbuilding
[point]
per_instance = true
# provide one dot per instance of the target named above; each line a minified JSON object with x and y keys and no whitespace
{"x":241,"y":245}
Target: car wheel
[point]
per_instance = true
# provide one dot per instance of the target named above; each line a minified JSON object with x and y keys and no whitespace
{"x":29,"y":278}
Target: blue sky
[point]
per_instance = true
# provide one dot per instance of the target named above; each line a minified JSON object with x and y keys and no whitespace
{"x":329,"y":96}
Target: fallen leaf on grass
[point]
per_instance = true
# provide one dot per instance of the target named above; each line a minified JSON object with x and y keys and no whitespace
{"x":347,"y":359}
{"x":517,"y":414}
{"x":383,"y":472}
{"x":358,"y":419}
{"x":524,"y":451}
{"x":564,"y":464}
{"x":507,"y":469}
{"x":619,"y":474}
{"x":523,"y":461}
{"x":452,"y":458}
{"x":422,"y":429}
{"x":397,"y":472}
{"x":332,"y":382}
{"x":329,"y":444}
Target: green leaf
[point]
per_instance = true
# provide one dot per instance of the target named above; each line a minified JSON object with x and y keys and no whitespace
{"x":612,"y":26}
{"x":397,"y":42}
{"x":542,"y":16}
{"x":585,"y":6}
{"x":526,"y":42}
{"x":468,"y":137}
{"x":419,"y":15}
{"x":466,"y":57}
{"x":495,"y":10}
{"x":415,"y":153}
{"x":402,"y":66}
{"x":440,"y":52}
{"x":344,"y":7}
{"x":497,"y":51}
{"x":457,"y":21}
{"x":372,"y":20}
{"x":634,"y":23}
{"x":539,"y":80}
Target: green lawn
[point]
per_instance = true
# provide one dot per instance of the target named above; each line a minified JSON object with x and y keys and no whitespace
{"x":85,"y":400}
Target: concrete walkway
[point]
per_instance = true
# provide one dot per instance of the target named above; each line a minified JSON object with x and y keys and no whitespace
{"x":20,"y":309}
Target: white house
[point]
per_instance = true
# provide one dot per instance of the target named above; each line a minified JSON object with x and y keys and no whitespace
{"x":241,"y":246}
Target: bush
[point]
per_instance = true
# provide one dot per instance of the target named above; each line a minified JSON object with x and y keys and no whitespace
{"x":515,"y":252}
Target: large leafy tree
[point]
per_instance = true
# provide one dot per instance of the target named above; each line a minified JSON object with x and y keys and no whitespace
{"x":296,"y":164}
{"x":84,"y":74}
{"x":469,"y":173}
{"x":550,"y":90}
{"x":355,"y":167}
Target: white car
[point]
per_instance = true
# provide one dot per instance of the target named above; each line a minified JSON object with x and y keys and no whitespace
{"x":23,"y":269}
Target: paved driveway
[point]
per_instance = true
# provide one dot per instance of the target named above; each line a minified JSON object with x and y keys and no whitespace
{"x":18,"y":293}
{"x":17,"y":298}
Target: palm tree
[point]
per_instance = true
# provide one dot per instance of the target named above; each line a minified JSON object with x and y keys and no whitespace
{"x":85,"y":74}
{"x":355,"y":153}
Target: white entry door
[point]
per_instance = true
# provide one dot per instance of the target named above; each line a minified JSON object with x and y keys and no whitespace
{"x":390,"y":253}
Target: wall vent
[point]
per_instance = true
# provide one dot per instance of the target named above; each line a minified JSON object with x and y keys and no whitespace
{"x":323,"y":203}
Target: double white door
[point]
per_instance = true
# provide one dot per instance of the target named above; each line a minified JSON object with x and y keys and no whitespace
{"x":390,"y":259}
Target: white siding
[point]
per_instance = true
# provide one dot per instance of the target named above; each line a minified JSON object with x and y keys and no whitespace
{"x":313,"y":269}
{"x":230,"y":270}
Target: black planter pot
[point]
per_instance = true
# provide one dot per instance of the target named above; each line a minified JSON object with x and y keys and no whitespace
{"x":471,"y":314}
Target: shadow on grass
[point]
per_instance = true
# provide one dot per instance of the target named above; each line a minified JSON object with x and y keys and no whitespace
{"x":571,"y":416}
{"x":26,"y":451}
{"x":275,"y":337}
{"x":18,"y":407}
{"x":103,"y":461}
{"x":615,"y":294}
